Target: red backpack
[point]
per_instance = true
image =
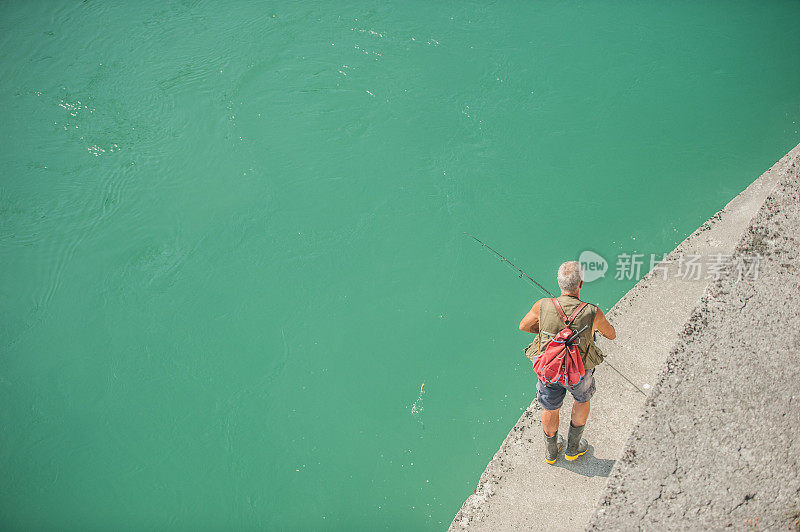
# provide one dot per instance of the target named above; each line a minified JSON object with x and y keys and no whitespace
{"x":561,"y":361}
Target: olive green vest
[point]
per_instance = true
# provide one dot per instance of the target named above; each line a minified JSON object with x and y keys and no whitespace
{"x":550,"y":323}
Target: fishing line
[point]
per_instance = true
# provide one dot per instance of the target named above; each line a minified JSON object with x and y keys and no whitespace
{"x":546,"y":291}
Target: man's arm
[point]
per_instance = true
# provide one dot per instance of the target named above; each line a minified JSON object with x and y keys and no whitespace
{"x":601,"y":324}
{"x":530,"y":323}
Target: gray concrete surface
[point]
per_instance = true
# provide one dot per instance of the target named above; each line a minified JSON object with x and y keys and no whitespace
{"x":518,"y":490}
{"x":718,"y":443}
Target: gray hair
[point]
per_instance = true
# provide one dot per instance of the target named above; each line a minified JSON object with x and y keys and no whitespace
{"x":570,"y":275}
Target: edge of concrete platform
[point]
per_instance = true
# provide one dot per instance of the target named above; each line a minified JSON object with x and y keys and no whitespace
{"x":508,"y":491}
{"x":707,"y":454}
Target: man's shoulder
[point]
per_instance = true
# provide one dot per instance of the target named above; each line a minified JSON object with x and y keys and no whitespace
{"x":592,"y":306}
{"x":596,"y":309}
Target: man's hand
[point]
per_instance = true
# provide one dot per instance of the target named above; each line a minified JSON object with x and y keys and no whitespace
{"x":530,"y":323}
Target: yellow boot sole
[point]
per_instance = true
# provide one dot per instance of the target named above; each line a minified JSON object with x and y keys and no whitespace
{"x":571,"y":458}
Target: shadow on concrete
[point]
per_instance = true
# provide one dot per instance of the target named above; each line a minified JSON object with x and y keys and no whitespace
{"x":587,"y":465}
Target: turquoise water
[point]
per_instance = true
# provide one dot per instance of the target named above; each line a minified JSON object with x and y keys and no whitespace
{"x":231,"y":237}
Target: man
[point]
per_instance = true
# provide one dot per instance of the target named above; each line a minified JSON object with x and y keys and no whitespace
{"x":544,"y":319}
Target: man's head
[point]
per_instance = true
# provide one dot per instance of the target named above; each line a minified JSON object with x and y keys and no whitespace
{"x":570,"y":277}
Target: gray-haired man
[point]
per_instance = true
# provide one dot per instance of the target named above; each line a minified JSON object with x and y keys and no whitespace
{"x":544,"y":319}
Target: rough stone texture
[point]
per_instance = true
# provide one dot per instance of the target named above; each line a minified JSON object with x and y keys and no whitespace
{"x":518,"y":490}
{"x":718,"y":444}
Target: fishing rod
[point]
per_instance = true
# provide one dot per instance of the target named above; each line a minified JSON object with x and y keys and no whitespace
{"x":521,"y":273}
{"x":531,"y":279}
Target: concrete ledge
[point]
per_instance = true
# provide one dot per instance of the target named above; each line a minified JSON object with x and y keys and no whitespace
{"x":717,"y":444}
{"x":518,"y":490}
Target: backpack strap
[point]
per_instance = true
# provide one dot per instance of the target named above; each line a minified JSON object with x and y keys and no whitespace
{"x":568,"y":321}
{"x":577,"y":311}
{"x":560,"y":310}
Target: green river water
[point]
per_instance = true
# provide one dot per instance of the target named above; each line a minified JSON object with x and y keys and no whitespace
{"x":232,"y":244}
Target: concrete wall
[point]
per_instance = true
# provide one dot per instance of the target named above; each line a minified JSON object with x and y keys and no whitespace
{"x":518,"y":490}
{"x":718,"y":443}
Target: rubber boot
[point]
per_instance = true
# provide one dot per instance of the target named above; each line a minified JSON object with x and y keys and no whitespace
{"x":576,"y":446}
{"x":553,"y":446}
